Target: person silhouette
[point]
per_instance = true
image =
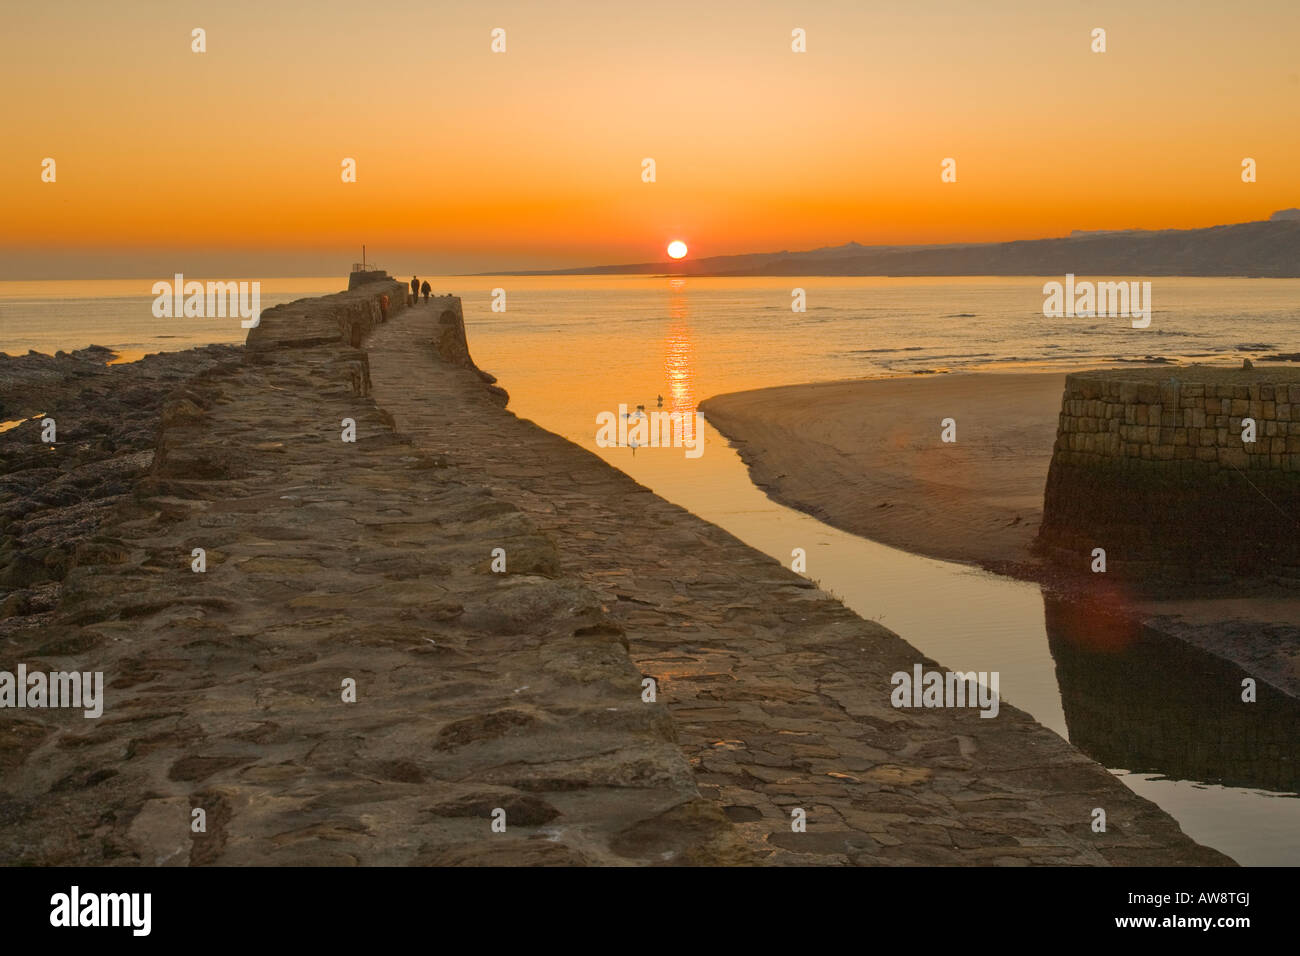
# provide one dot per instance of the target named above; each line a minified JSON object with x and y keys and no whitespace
{"x":415,"y":290}
{"x":426,"y":290}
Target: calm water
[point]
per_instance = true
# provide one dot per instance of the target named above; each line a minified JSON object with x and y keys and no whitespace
{"x":118,"y":313}
{"x":568,"y":348}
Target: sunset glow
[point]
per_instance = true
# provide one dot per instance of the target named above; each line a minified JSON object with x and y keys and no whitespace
{"x":403,"y":488}
{"x":469,"y":160}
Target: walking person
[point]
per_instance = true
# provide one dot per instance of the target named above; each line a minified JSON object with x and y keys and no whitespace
{"x":426,"y":290}
{"x":415,"y":290}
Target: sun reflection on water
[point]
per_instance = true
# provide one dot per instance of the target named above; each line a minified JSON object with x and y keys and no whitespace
{"x":679,"y":357}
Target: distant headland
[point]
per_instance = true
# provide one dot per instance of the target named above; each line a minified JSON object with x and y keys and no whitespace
{"x":1264,"y":249}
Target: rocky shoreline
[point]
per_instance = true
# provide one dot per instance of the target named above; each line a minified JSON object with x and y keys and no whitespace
{"x":353,"y":678}
{"x":54,"y":496}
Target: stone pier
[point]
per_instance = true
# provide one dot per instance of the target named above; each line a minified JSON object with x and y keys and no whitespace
{"x":353,"y":678}
{"x":1154,"y":466}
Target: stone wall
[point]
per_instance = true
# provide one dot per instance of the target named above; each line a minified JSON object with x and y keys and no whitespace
{"x":1150,"y":465}
{"x":358,"y":279}
{"x":343,"y":318}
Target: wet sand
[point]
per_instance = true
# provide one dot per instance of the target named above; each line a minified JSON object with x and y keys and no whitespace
{"x":868,"y":457}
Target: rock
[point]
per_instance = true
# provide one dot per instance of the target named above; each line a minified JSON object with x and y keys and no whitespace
{"x":695,"y":833}
{"x":479,"y":727}
{"x":522,"y":809}
{"x":54,"y":497}
{"x":502,"y":852}
{"x":15,"y":603}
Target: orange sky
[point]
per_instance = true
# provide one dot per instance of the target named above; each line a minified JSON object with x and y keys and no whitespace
{"x":229,"y":160}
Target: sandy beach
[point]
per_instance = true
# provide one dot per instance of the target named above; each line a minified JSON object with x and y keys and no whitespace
{"x":867,"y":456}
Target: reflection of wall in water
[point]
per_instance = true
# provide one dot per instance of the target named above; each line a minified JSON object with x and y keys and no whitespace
{"x":1137,"y":700}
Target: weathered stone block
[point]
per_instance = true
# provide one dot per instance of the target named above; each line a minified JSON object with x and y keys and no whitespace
{"x":1233,"y":456}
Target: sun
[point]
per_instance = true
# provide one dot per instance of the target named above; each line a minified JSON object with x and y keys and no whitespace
{"x":676,"y":249}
